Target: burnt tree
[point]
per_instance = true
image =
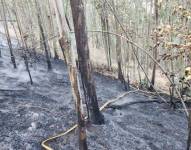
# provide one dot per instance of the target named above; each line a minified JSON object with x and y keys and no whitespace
{"x":118,"y":48}
{"x":155,"y":53}
{"x":66,"y":45}
{"x":44,"y":38}
{"x":24,"y":44}
{"x":8,"y":34}
{"x":85,"y":68}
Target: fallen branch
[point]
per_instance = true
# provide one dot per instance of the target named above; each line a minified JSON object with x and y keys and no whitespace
{"x":133,"y":103}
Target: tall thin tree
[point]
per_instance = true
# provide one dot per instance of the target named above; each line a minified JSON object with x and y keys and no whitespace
{"x":85,"y":67}
{"x":156,"y":47}
{"x":118,"y":49}
{"x":8,"y":34}
{"x":24,"y":43}
{"x":65,"y":43}
{"x":44,"y":37}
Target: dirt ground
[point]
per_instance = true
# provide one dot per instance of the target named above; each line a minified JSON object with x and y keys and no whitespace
{"x":29,"y":114}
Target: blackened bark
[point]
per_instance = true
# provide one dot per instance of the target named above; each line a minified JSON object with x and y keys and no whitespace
{"x":156,"y":48}
{"x":51,"y":24}
{"x":106,"y":36}
{"x":24,"y":44}
{"x":8,"y":35}
{"x":120,"y":73}
{"x":62,"y":43}
{"x":45,"y":47}
{"x":55,"y":51}
{"x":44,"y":39}
{"x":118,"y":50}
{"x":84,"y":60}
{"x":65,"y":44}
{"x":27,"y":68}
{"x":81,"y":122}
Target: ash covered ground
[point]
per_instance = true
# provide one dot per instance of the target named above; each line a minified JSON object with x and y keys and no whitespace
{"x":31,"y":113}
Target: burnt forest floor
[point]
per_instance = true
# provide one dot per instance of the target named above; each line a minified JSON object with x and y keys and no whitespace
{"x":31,"y":113}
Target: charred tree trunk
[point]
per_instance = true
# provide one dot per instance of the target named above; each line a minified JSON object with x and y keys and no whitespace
{"x":118,"y":50}
{"x":60,"y":22}
{"x":65,"y":44}
{"x":77,"y":7}
{"x":8,"y":34}
{"x":24,"y":45}
{"x":52,"y":26}
{"x":119,"y":58}
{"x":56,"y":56}
{"x":106,"y":37}
{"x":27,"y":67}
{"x":156,"y":47}
{"x":61,"y":42}
{"x":81,"y":122}
{"x":44,"y":38}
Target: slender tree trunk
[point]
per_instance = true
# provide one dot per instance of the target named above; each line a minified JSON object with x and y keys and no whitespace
{"x":106,"y":37}
{"x":24,"y":45}
{"x":76,"y":94}
{"x":172,"y":75}
{"x":109,"y":43}
{"x":85,"y":67}
{"x":81,"y":122}
{"x":118,"y":46}
{"x":8,"y":34}
{"x":65,"y":44}
{"x":118,"y":50}
{"x":44,"y":38}
{"x":119,"y":59}
{"x":51,"y":24}
{"x":61,"y":24}
{"x":32,"y":38}
{"x":156,"y":47}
